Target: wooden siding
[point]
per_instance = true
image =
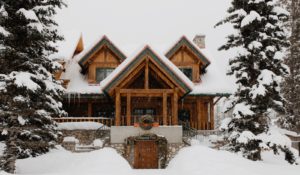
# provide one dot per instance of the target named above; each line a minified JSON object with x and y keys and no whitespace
{"x":184,"y":58}
{"x":104,"y":58}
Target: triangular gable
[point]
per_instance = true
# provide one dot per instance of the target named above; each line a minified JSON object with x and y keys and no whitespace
{"x":128,"y":65}
{"x":104,"y":41}
{"x":185,"y":42}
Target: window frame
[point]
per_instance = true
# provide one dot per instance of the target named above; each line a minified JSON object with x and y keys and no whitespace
{"x":187,"y":68}
{"x":108,"y":71}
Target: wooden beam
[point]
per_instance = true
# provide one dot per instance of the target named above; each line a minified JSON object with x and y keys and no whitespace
{"x":147,"y":74}
{"x":90,"y":109}
{"x":128,"y":76}
{"x":199,"y":112}
{"x":165,"y":97}
{"x":212,"y":115}
{"x":118,"y":107}
{"x":146,"y":91}
{"x":128,"y":110}
{"x":218,"y":99}
{"x":133,"y":74}
{"x":175,"y":107}
{"x":158,"y":72}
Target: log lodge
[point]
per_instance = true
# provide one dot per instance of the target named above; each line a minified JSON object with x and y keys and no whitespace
{"x":104,"y":85}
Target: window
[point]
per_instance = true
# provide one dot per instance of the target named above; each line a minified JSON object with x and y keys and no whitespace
{"x":187,"y":72}
{"x":102,"y":73}
{"x":144,"y":111}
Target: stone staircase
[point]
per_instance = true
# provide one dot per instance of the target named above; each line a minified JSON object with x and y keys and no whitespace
{"x":71,"y":143}
{"x":85,"y":148}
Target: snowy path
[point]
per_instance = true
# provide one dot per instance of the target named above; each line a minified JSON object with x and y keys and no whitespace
{"x":195,"y":160}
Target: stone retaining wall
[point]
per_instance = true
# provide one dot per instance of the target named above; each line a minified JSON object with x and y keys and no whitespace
{"x":85,"y":137}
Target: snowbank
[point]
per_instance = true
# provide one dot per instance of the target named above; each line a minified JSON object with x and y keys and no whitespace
{"x":79,"y":126}
{"x":106,"y":161}
{"x":199,"y":159}
{"x":194,"y":160}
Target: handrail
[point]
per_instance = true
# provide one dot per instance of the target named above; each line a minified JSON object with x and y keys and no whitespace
{"x":104,"y":120}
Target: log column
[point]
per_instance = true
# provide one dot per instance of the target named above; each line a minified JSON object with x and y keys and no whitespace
{"x":165,"y":112}
{"x":146,"y":85}
{"x":90,"y":109}
{"x":128,"y":110}
{"x":175,"y":107}
{"x":212,"y":114}
{"x":118,"y":107}
{"x":199,"y":112}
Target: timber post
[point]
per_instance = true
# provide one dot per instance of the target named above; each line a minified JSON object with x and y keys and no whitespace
{"x":118,"y":107}
{"x":90,"y":109}
{"x":165,"y":120}
{"x":175,"y":107}
{"x":128,"y":110}
{"x":212,"y":119}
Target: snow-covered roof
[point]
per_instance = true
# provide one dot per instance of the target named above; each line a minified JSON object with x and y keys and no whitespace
{"x":213,"y":82}
{"x":87,"y":53}
{"x":66,"y":48}
{"x":78,"y":81}
{"x":194,"y":48}
{"x":160,"y":57}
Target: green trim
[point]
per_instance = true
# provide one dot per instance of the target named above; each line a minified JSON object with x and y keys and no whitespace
{"x":186,"y":42}
{"x":88,"y":96}
{"x":216,"y":94}
{"x":146,"y":51}
{"x":102,"y":42}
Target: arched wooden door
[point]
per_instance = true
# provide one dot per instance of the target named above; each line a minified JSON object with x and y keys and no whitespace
{"x":145,"y":154}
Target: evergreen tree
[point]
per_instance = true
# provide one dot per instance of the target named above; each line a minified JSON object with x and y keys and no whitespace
{"x":29,"y":94}
{"x":291,"y":84}
{"x":258,"y":67}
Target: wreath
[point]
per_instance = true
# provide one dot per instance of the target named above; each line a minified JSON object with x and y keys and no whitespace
{"x":146,"y":122}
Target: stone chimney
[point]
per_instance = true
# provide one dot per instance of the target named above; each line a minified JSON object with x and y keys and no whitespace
{"x":199,"y":40}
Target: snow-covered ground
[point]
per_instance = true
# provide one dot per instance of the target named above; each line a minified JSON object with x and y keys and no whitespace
{"x":195,"y":160}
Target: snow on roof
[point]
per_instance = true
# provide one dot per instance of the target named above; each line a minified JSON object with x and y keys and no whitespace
{"x":127,"y":61}
{"x":78,"y":82}
{"x":192,"y":45}
{"x":94,"y":47}
{"x":67,"y":47}
{"x":213,"y":82}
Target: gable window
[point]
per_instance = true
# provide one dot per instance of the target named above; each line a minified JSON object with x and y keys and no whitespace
{"x":102,"y":73}
{"x":187,"y":72}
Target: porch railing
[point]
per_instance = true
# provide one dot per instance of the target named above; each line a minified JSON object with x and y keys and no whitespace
{"x":136,"y":118}
{"x":108,"y":121}
{"x":104,"y":120}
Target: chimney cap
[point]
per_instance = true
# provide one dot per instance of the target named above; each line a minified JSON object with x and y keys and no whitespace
{"x":199,"y":40}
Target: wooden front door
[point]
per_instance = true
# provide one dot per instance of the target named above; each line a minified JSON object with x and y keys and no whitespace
{"x":145,"y":155}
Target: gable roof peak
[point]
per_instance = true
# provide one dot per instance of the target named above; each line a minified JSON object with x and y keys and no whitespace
{"x":104,"y":40}
{"x":194,"y":48}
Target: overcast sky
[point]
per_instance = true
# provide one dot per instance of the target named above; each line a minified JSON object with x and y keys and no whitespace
{"x":132,"y":23}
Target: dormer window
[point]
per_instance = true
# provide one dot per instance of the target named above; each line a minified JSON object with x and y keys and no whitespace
{"x":102,"y":73}
{"x":187,"y":72}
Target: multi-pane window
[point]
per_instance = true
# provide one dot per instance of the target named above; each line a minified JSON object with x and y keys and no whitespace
{"x":102,"y":73}
{"x":144,"y":111}
{"x":187,"y":72}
